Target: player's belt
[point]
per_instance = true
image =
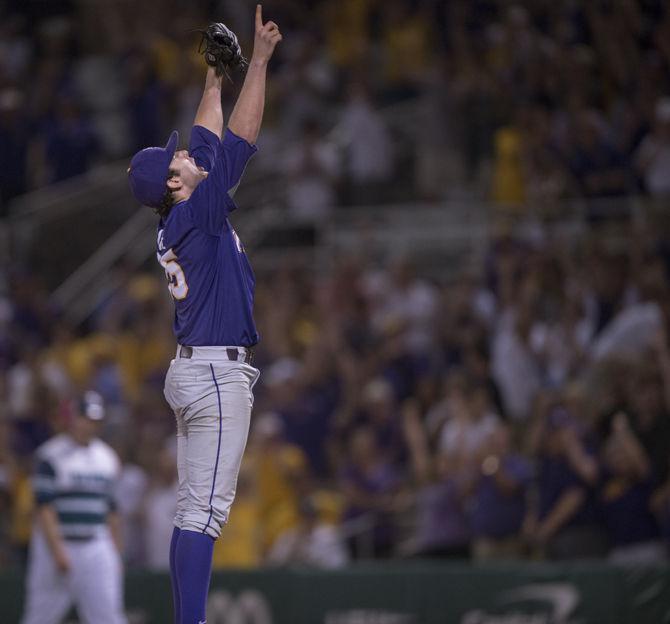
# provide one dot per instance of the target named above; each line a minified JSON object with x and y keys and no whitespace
{"x":234,"y":354}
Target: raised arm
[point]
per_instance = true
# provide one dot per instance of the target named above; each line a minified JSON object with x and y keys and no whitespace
{"x":245,"y":120}
{"x":209,"y":114}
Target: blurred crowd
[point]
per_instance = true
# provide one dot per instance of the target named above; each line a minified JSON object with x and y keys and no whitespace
{"x":518,"y":409}
{"x":369,"y":100}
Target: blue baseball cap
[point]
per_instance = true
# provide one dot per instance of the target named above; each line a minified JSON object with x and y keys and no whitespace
{"x":148,"y":172}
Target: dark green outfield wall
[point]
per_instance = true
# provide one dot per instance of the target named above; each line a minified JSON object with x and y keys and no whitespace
{"x":416,"y":593}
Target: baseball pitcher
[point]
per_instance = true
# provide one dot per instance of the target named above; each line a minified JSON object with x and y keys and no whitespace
{"x":209,"y":383}
{"x":74,"y":549}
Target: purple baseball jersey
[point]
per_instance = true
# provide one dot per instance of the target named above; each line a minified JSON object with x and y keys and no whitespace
{"x":207,"y":269}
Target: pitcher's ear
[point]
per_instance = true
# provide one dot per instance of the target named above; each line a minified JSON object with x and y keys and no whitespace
{"x":174,"y":183}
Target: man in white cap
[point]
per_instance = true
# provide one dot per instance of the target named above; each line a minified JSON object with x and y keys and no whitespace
{"x":74,"y":551}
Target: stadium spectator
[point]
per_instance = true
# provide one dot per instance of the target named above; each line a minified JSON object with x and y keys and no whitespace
{"x":649,"y":418}
{"x":131,"y":488}
{"x":312,"y":167}
{"x":159,"y":506}
{"x":304,"y":84}
{"x":146,"y":101}
{"x":513,"y":363}
{"x":369,"y":483}
{"x":407,"y":36}
{"x":599,"y":167}
{"x":311,"y":543}
{"x":404,"y":304}
{"x":625,"y":498}
{"x":368,"y":147}
{"x":563,"y":522}
{"x":280,"y":476}
{"x":71,"y":143}
{"x":498,"y":490}
{"x":441,"y":529}
{"x":245,"y":528}
{"x":509,"y":168}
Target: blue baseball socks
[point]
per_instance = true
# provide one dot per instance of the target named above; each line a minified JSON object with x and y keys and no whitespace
{"x":193,"y":568}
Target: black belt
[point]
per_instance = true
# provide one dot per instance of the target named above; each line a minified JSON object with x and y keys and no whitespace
{"x":78,"y":538}
{"x":232,"y":354}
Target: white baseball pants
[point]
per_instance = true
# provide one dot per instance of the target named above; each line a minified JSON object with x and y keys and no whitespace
{"x":211,"y":397}
{"x":94,"y":583}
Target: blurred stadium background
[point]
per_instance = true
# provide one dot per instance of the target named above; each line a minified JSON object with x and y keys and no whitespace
{"x":458,"y":219}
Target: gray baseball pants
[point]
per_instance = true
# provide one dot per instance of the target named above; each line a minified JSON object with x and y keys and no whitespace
{"x":211,"y":397}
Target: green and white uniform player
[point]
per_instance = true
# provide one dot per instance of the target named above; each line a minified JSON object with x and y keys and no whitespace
{"x":75,"y":545}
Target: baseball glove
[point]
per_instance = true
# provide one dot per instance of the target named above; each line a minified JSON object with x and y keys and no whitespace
{"x":221,"y":49}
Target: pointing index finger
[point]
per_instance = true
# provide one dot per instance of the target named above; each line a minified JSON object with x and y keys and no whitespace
{"x":259,"y":16}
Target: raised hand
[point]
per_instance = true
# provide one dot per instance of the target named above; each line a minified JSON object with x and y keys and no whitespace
{"x":267,"y":36}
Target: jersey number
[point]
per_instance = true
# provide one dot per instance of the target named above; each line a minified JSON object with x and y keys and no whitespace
{"x":175,"y":275}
